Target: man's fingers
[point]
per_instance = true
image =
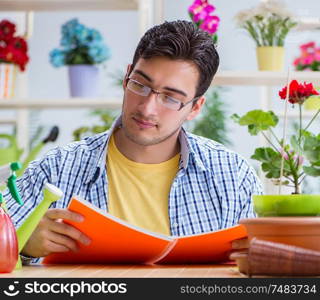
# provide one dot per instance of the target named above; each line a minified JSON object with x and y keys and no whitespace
{"x":70,"y":231}
{"x":65,"y":214}
{"x":53,"y":247}
{"x":240,"y":244}
{"x":62,"y":240}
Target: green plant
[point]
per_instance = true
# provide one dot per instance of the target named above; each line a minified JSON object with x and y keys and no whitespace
{"x":106,"y":117}
{"x":213,"y":121}
{"x":286,"y":159}
{"x":268,"y":24}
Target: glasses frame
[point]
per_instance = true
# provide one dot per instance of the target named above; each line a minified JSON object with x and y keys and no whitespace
{"x":151,"y":90}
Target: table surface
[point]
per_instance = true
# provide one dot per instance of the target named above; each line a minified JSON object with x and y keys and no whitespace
{"x":126,"y":271}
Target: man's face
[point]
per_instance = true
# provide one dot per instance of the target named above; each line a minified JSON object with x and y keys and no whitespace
{"x":144,"y":120}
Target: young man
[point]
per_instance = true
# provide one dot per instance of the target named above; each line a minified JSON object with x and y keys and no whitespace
{"x":147,"y":169}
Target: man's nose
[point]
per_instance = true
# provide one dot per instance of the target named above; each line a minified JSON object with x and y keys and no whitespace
{"x":150,"y":104}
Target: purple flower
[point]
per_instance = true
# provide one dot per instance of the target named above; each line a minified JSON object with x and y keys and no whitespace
{"x":203,"y":12}
{"x":210,"y":24}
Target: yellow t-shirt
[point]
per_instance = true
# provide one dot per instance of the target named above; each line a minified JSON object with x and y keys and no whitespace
{"x":138,"y":193}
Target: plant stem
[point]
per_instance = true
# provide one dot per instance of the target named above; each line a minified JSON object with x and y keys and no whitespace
{"x":273,"y":134}
{"x":300,"y":124}
{"x":268,"y":140}
{"x":302,"y":178}
{"x":317,"y":113}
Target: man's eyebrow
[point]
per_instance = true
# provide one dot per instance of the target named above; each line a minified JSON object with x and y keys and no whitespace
{"x":148,"y":78}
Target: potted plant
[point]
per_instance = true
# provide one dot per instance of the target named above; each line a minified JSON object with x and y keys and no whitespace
{"x":82,"y":49}
{"x":201,"y":14}
{"x":212,"y":123}
{"x":268,"y":24}
{"x":293,"y":160}
{"x":13,"y":54}
{"x":309,"y":60}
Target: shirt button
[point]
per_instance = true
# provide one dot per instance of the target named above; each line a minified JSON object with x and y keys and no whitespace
{"x":174,"y":184}
{"x":175,"y":224}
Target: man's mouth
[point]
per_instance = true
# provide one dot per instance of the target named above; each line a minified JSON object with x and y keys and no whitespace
{"x":144,"y":124}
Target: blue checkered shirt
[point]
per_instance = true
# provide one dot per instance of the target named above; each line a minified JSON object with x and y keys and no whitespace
{"x":212,"y":189}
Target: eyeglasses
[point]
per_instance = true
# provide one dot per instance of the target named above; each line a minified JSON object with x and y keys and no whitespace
{"x":165,"y":100}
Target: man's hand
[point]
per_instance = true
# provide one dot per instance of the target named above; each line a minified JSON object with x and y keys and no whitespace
{"x":52,"y":235}
{"x":240,"y":244}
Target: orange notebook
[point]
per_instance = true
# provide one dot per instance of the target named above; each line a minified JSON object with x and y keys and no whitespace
{"x":116,"y":241}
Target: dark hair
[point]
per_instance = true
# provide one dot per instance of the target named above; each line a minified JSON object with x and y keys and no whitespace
{"x":181,"y":40}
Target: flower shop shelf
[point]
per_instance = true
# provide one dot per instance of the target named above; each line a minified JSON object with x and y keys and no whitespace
{"x":70,"y":103}
{"x":263,"y":78}
{"x":7,"y":120}
{"x":56,"y":5}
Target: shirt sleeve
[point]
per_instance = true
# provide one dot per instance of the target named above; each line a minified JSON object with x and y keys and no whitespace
{"x":249,"y":185}
{"x":30,"y":186}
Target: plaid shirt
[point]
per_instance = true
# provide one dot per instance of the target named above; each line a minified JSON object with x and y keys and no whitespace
{"x":211,"y":191}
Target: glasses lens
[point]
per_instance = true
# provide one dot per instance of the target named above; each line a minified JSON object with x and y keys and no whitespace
{"x":138,"y":88}
{"x":169,"y":102}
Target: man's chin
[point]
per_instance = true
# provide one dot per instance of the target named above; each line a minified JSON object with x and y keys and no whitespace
{"x":143,"y":141}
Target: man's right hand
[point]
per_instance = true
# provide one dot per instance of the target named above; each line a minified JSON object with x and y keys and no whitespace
{"x":53,"y":235}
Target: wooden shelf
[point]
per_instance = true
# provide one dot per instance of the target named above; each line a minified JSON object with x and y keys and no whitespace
{"x":71,"y":103}
{"x":263,"y":78}
{"x":5,"y":120}
{"x":74,"y":5}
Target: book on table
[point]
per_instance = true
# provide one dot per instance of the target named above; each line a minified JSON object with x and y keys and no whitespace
{"x":116,"y":241}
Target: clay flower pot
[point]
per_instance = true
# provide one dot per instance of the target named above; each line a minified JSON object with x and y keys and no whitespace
{"x":297,"y":231}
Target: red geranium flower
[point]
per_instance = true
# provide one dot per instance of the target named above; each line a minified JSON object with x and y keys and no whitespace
{"x":298,"y":92}
{"x":13,"y":49}
{"x":7,"y":30}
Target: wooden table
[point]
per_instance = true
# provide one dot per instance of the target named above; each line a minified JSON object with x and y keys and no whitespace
{"x":122,"y":271}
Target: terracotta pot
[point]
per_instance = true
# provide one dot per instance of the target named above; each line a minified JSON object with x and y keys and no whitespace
{"x":298,"y":231}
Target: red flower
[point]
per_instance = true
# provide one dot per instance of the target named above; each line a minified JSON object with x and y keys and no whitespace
{"x":7,"y":30}
{"x":298,"y":93}
{"x":13,"y":49}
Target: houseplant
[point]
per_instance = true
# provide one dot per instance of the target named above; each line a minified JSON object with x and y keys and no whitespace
{"x":106,"y":117}
{"x":293,"y":161}
{"x":212,"y":121}
{"x":201,"y":14}
{"x":82,"y":49}
{"x":309,"y":60}
{"x":13,"y":54}
{"x":268,"y":24}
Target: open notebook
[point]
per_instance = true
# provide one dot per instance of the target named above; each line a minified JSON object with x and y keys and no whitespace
{"x":116,"y":241}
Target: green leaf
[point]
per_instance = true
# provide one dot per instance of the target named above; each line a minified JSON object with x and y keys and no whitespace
{"x":295,"y":144}
{"x":257,"y":120}
{"x":312,"y":171}
{"x":311,"y":148}
{"x":271,"y":162}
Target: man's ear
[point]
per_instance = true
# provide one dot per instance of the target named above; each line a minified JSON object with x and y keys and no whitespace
{"x":129,"y":69}
{"x":196,"y":109}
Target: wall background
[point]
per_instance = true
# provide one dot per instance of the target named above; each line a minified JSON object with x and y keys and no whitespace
{"x":121,"y":32}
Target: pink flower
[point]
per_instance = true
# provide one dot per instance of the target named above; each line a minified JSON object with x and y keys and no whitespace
{"x":305,"y":47}
{"x":197,"y":6}
{"x":210,"y":24}
{"x":307,"y":60}
{"x":309,"y":57}
{"x":297,"y":158}
{"x":297,"y":61}
{"x":204,"y":13}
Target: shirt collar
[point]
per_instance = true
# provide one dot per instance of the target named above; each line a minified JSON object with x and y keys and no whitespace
{"x":186,"y":152}
{"x":100,"y":163}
